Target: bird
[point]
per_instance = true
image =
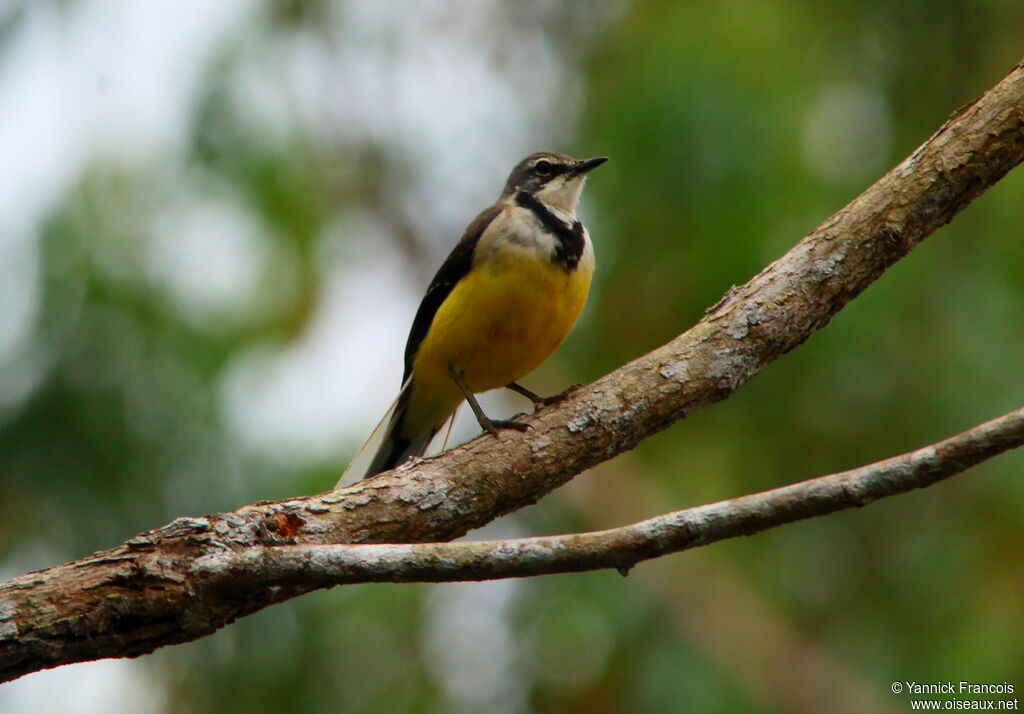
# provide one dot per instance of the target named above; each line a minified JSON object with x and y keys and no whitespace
{"x":505,"y":298}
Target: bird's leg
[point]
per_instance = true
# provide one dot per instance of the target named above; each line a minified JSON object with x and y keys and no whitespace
{"x":538,"y":401}
{"x":487,"y":424}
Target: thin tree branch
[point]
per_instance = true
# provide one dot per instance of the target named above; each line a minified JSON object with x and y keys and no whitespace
{"x":141,"y":595}
{"x":318,"y":566}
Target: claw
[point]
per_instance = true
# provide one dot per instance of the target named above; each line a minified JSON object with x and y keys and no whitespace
{"x":497,"y":424}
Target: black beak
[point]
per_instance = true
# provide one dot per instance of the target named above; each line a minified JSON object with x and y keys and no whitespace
{"x":588,"y":164}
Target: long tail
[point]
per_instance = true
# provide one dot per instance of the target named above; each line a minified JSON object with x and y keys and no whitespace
{"x":387,"y":448}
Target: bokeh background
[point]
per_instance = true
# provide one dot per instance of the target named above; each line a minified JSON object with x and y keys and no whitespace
{"x":217,"y":219}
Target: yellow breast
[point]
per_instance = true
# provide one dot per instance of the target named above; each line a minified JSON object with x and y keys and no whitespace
{"x":501,"y":321}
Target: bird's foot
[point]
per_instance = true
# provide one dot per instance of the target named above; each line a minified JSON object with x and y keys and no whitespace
{"x":493,"y":426}
{"x":539,"y":401}
{"x":556,"y":398}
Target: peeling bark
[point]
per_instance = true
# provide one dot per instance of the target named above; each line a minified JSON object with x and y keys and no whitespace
{"x":145,"y":594}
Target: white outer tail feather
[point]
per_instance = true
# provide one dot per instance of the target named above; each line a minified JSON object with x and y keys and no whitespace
{"x":380,"y":438}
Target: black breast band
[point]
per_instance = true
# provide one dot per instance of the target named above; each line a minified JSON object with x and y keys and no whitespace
{"x":569,"y":239}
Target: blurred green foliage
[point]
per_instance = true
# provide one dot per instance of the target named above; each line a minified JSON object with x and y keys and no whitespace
{"x":734,"y":128}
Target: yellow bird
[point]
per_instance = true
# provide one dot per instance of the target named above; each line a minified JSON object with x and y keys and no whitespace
{"x":503,"y":300}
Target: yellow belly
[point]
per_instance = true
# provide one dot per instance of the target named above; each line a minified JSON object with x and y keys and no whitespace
{"x":502,"y":320}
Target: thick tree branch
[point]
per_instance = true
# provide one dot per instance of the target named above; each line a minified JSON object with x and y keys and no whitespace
{"x":311,"y":567}
{"x":142,"y":595}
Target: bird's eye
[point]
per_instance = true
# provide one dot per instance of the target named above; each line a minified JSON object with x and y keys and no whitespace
{"x":543,"y":168}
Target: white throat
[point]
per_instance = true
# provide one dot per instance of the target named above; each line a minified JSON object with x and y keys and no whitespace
{"x":562,"y":194}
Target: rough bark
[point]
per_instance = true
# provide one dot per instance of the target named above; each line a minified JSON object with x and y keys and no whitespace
{"x":143,"y":595}
{"x":311,"y":567}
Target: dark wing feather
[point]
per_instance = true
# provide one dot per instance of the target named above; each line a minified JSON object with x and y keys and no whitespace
{"x":455,"y":266}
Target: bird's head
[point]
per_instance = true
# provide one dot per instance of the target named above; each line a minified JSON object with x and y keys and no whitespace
{"x":555,"y":179}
